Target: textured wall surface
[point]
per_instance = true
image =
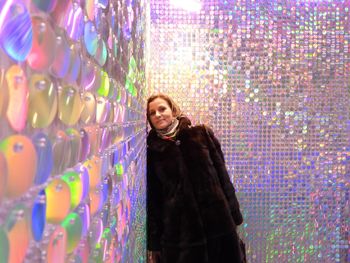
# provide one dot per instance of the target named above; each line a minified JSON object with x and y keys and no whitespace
{"x":273,"y":79}
{"x":72,"y":131}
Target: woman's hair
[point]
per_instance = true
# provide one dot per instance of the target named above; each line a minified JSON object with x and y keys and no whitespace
{"x":173,"y":106}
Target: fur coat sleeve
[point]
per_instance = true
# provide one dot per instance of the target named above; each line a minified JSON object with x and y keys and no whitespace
{"x":218,"y":159}
{"x":154,"y":208}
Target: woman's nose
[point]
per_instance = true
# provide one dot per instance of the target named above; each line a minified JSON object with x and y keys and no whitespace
{"x":157,"y":113}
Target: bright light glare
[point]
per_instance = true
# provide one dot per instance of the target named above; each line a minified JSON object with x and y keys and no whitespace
{"x":189,"y":5}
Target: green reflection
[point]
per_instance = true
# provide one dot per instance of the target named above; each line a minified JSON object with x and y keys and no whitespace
{"x":75,"y":186}
{"x":73,"y":225}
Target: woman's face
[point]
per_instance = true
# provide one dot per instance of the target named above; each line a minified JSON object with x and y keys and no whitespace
{"x":160,"y":113}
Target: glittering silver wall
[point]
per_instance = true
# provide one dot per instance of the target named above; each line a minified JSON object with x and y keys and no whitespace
{"x":273,"y":79}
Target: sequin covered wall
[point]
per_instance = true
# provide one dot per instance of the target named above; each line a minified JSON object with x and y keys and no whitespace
{"x":72,"y":136}
{"x":273,"y":79}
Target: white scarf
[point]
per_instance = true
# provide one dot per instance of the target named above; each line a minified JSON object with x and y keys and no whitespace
{"x":170,"y":131}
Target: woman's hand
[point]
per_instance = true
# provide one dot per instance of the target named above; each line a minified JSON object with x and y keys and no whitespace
{"x":153,"y":256}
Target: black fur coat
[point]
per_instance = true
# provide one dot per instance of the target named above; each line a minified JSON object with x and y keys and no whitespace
{"x":190,"y":197}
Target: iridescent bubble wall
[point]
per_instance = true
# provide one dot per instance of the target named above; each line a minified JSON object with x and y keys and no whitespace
{"x":273,"y":79}
{"x":72,"y":136}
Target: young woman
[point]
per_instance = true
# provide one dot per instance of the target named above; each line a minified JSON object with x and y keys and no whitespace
{"x":192,"y":209}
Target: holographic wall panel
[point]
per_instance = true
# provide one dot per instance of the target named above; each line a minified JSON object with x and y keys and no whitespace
{"x":273,"y":79}
{"x":72,"y":131}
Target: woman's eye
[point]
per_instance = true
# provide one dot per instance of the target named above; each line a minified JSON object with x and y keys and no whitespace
{"x":152,"y":113}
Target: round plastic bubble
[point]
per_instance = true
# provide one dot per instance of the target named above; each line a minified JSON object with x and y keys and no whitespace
{"x":60,"y":64}
{"x":88,"y":75}
{"x":119,"y":95}
{"x":97,"y":81}
{"x":105,"y":214}
{"x":101,"y":52}
{"x":85,"y":148}
{"x":112,"y":94}
{"x":21,"y":162}
{"x":117,"y":155}
{"x":3,"y":175}
{"x":101,"y":109}
{"x":4,"y":92}
{"x":4,"y":246}
{"x":16,"y":34}
{"x":18,"y":233}
{"x":119,"y":112}
{"x":93,"y":166}
{"x":132,"y":69}
{"x":75,"y":22}
{"x":96,"y":231}
{"x":57,"y":247}
{"x":84,"y":213}
{"x":89,"y":109}
{"x":111,"y":112}
{"x":94,"y":138}
{"x":69,"y":105}
{"x":74,"y":145}
{"x":84,"y":177}
{"x":106,"y":189}
{"x":105,"y":138}
{"x":75,"y":184}
{"x":74,"y":65}
{"x":90,"y":38}
{"x":39,"y":216}
{"x":59,"y":149}
{"x":18,"y":97}
{"x":42,"y":101}
{"x":103,"y":90}
{"x":58,"y":201}
{"x":44,"y":153}
{"x":73,"y":226}
{"x":95,"y":201}
{"x":115,"y":112}
{"x":118,"y":135}
{"x":42,"y":53}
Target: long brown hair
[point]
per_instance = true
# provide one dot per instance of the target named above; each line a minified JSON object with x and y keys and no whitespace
{"x":173,"y":106}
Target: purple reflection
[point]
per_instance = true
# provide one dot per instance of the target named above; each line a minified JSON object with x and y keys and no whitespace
{"x":60,"y":65}
{"x":88,"y":76}
{"x":84,"y":177}
{"x":105,"y":139}
{"x":44,"y":153}
{"x":84,"y":214}
{"x":74,"y":66}
{"x":85,"y":145}
{"x":75,"y":22}
{"x":16,"y":33}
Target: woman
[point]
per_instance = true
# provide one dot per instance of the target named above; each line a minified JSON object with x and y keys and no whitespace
{"x":192,"y":209}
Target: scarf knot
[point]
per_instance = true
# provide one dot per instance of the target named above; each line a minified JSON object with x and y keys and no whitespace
{"x":169,"y":132}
